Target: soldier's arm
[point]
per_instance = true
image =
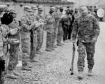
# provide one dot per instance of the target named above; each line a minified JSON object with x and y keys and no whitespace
{"x":96,"y":27}
{"x":75,"y":30}
{"x":23,"y":23}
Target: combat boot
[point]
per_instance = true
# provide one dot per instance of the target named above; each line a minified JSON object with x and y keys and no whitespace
{"x":16,"y":73}
{"x":11,"y":75}
{"x":49,"y":50}
{"x":60,"y":44}
{"x":80,"y":76}
{"x":26,"y":68}
{"x":90,"y":72}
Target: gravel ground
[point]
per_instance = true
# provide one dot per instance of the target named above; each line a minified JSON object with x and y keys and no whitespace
{"x":53,"y":67}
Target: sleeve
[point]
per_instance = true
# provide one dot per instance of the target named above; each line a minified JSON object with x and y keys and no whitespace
{"x":75,"y":30}
{"x":96,"y":27}
{"x":23,"y":23}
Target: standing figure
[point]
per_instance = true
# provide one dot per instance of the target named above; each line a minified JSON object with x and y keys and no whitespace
{"x":49,"y":27}
{"x":66,"y":25}
{"x":56,"y":17}
{"x":40,"y":19}
{"x":26,"y":25}
{"x":4,"y":30}
{"x":60,"y":29}
{"x":86,"y":27}
{"x":34,"y":35}
{"x":14,"y":41}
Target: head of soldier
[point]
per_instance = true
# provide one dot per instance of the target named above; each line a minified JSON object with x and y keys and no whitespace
{"x":26,"y":10}
{"x":83,"y":10}
{"x":40,"y":10}
{"x":52,"y":10}
{"x":34,"y":9}
{"x":61,"y":9}
{"x":13,"y":12}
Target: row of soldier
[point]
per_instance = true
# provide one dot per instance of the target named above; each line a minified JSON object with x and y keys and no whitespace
{"x":28,"y":32}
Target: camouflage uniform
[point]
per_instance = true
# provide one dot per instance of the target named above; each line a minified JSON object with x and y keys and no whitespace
{"x":3,"y":46}
{"x":34,"y":35}
{"x":56,"y":16}
{"x":3,"y":50}
{"x":60,"y":30}
{"x":26,"y":26}
{"x":87,"y":29}
{"x":40,"y":19}
{"x":49,"y":24}
{"x":14,"y":47}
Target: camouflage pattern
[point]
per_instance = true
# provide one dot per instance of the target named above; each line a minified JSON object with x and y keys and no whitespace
{"x":56,"y":17}
{"x":25,"y":39}
{"x":87,"y":29}
{"x":49,"y":27}
{"x":60,"y":30}
{"x":14,"y":47}
{"x":40,"y":19}
{"x":34,"y":37}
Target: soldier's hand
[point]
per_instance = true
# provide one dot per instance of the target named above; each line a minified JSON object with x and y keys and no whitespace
{"x":94,"y":40}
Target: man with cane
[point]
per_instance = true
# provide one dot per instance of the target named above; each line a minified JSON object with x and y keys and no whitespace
{"x":86,"y":27}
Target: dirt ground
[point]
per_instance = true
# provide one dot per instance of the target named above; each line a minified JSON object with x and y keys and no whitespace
{"x":54,"y":67}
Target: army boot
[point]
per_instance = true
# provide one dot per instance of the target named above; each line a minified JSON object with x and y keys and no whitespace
{"x":90,"y":72}
{"x":25,"y":67}
{"x":11,"y":75}
{"x":80,"y":76}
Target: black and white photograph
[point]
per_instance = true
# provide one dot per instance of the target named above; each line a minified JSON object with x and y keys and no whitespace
{"x":52,"y":41}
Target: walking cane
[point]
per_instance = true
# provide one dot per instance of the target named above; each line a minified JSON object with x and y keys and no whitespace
{"x":72,"y":62}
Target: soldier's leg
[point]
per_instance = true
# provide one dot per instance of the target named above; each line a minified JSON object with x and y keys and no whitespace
{"x":59,"y":36}
{"x":90,"y":49}
{"x":49,"y":42}
{"x":81,"y":56}
{"x":40,"y":41}
{"x":13,"y":60}
{"x":81,"y":60}
{"x":26,"y":53}
{"x":2,"y":70}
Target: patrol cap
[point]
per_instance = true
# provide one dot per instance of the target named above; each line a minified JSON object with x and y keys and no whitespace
{"x":33,"y":7}
{"x":40,"y":9}
{"x":27,"y":8}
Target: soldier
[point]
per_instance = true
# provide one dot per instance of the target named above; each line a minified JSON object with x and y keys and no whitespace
{"x":14,"y":41}
{"x":60,"y":29}
{"x":26,"y":25}
{"x":87,"y":29}
{"x":40,"y":19}
{"x":4,"y":30}
{"x":56,"y":16}
{"x":34,"y":35}
{"x":66,"y":22}
{"x":49,"y":27}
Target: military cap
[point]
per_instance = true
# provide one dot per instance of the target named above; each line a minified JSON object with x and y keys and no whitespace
{"x":34,"y":7}
{"x":40,"y":9}
{"x":27,"y":8}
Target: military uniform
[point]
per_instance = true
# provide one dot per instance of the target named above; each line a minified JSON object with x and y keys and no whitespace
{"x":49,"y":27}
{"x":3,"y":45}
{"x":26,"y":25}
{"x":60,"y":31}
{"x":34,"y":35}
{"x":87,"y":29}
{"x":40,"y":19}
{"x":66,"y":22}
{"x":56,"y":17}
